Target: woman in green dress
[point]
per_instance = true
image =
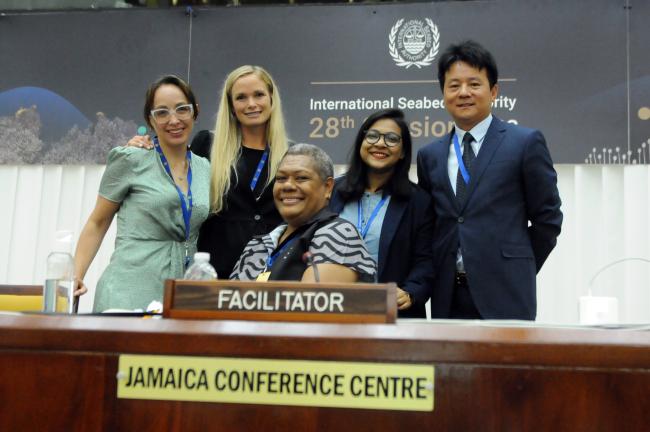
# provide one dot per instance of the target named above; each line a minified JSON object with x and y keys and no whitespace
{"x":161,"y":198}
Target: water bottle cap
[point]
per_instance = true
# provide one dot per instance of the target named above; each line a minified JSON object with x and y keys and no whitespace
{"x":202,"y":256}
{"x":63,"y":240}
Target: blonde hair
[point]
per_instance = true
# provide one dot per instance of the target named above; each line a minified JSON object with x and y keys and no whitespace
{"x":226,"y":147}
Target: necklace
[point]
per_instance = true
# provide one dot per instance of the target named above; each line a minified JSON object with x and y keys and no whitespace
{"x":181,"y":177}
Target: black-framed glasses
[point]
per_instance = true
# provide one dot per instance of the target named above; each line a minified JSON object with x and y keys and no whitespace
{"x":391,"y":139}
{"x":182,"y":112}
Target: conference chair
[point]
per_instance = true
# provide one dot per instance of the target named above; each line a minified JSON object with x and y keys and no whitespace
{"x":24,"y":298}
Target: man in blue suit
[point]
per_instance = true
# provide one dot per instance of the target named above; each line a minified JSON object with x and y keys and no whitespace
{"x":495,"y":197}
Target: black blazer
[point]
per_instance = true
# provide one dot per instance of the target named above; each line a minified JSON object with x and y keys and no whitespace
{"x":202,"y":143}
{"x":507,"y":226}
{"x":405,"y":255}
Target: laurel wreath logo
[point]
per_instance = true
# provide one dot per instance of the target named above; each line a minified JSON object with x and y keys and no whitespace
{"x":399,"y":60}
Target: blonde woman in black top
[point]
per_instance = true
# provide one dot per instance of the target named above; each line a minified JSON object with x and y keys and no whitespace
{"x":249,"y":141}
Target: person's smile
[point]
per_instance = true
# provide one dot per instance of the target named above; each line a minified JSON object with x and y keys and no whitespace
{"x":176,"y":132}
{"x":291,"y":200}
{"x":465,"y":105}
{"x":253,"y":114}
{"x":379,"y":154}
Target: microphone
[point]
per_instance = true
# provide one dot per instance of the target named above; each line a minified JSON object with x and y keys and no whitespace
{"x":595,"y":310}
{"x":308,"y":259}
{"x":612,"y":264}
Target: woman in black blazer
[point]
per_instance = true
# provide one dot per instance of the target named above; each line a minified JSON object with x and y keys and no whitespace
{"x":394,"y":216}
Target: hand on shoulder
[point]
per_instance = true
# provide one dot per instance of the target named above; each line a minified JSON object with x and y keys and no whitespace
{"x":140,"y":141}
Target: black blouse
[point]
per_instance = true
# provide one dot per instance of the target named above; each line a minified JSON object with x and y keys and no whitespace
{"x":246,"y":213}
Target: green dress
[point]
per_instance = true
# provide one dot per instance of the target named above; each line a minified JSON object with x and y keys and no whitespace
{"x":150,"y":242}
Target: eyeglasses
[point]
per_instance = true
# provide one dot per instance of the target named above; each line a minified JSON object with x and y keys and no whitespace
{"x":391,"y":139}
{"x":182,"y":112}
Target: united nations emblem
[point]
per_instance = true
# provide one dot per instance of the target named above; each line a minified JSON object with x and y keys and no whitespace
{"x":413,"y":43}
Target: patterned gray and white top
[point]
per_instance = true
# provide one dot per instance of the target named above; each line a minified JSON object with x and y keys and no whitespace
{"x":338,"y":242}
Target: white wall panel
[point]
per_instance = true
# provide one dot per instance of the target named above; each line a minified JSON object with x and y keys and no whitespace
{"x":558,"y":271}
{"x":47,"y":207}
{"x":24,"y":235}
{"x":606,"y":210}
{"x":8,"y":179}
{"x":634,"y":294}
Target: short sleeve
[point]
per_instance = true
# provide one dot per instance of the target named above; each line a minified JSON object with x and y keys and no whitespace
{"x":339,"y":242}
{"x":252,"y":261}
{"x":249,"y":263}
{"x":117,"y":176}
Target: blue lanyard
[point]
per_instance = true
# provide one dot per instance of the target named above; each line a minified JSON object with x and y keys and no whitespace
{"x":260,"y":167}
{"x":271,"y":258}
{"x":185,"y":207}
{"x":459,"y":157}
{"x":364,"y":230}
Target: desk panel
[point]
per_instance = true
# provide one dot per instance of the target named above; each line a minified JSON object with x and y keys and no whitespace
{"x":59,"y":373}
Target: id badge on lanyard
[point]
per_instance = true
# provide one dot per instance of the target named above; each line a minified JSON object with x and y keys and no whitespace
{"x":186,"y":208}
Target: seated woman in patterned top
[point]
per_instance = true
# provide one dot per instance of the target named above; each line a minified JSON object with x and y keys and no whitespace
{"x":303,"y":187}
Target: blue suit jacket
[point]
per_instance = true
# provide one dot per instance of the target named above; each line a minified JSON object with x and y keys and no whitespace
{"x":513,"y":183}
{"x":404,"y":246}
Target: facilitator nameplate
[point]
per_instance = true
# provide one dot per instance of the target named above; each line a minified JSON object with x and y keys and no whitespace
{"x":280,"y":301}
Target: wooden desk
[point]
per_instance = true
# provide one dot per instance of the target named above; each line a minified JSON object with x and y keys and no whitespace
{"x":59,"y":373}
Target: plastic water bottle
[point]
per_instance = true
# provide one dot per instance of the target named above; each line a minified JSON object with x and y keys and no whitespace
{"x":58,"y":291}
{"x":201,"y":269}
